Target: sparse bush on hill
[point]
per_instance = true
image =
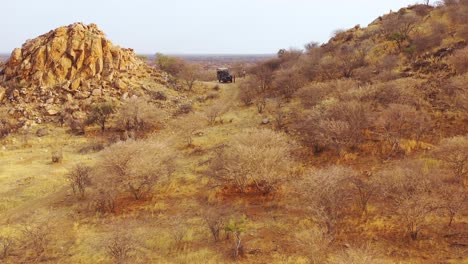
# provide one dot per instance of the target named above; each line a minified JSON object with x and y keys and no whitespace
{"x":258,"y":158}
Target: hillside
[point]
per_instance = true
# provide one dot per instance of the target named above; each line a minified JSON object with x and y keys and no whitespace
{"x":354,"y":151}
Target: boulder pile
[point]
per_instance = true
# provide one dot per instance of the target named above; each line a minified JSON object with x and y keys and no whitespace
{"x":73,"y":65}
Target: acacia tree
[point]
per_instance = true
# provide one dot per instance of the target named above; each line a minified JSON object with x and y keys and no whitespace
{"x":397,"y":27}
{"x":255,"y":157}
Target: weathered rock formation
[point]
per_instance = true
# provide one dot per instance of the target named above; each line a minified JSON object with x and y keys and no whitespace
{"x":73,"y":64}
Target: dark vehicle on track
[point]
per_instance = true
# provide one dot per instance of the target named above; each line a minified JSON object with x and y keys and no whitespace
{"x":224,"y":76}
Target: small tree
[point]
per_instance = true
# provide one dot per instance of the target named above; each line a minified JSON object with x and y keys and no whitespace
{"x":100,"y":114}
{"x":79,"y":179}
{"x":189,"y":74}
{"x":216,"y":222}
{"x":237,"y":226}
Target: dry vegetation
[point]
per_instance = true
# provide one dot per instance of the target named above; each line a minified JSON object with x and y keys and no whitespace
{"x":355,"y":151}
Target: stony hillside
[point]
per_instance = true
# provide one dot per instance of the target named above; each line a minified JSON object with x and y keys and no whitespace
{"x":71,"y":64}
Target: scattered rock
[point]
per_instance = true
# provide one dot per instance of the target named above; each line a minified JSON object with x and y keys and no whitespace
{"x":41,"y":132}
{"x":97,"y":92}
{"x":265,"y":121}
{"x":52,"y":112}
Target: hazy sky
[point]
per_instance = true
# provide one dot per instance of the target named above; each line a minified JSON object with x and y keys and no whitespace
{"x":193,"y":26}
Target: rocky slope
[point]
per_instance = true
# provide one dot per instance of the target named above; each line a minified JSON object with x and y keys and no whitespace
{"x":74,"y":65}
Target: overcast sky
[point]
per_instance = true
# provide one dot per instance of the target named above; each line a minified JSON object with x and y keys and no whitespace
{"x":193,"y":26}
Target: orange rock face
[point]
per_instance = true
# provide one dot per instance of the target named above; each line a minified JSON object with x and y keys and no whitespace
{"x":70,"y":53}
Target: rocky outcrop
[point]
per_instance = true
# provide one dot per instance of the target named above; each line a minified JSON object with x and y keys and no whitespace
{"x":75,"y":65}
{"x":73,"y":53}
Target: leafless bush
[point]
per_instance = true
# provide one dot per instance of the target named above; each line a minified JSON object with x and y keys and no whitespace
{"x":287,"y":81}
{"x":453,"y":200}
{"x":37,"y":237}
{"x":6,"y":125}
{"x":361,"y":255}
{"x":121,"y":248}
{"x":139,"y":115}
{"x":133,"y":166}
{"x":184,"y":108}
{"x":328,"y":194}
{"x":6,"y":245}
{"x":248,"y":91}
{"x":256,"y":157}
{"x":189,"y":124}
{"x":77,"y":125}
{"x":312,"y":94}
{"x":401,"y":121}
{"x":216,"y":222}
{"x":79,"y":179}
{"x":459,"y":60}
{"x":409,"y":185}
{"x":213,"y":112}
{"x":454,"y":152}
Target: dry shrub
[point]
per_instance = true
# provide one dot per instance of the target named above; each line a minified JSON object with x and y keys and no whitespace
{"x":358,"y":255}
{"x":454,"y":152}
{"x":260,"y":158}
{"x":79,"y":179}
{"x":6,"y":245}
{"x":121,"y":247}
{"x":459,"y":60}
{"x":313,"y":93}
{"x":328,"y":195}
{"x":6,"y":125}
{"x":37,"y":237}
{"x":130,"y":167}
{"x":410,"y":185}
{"x":248,"y":91}
{"x":138,"y":114}
{"x":214,"y":112}
{"x":287,"y":81}
{"x":400,"y":121}
{"x":336,"y":125}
